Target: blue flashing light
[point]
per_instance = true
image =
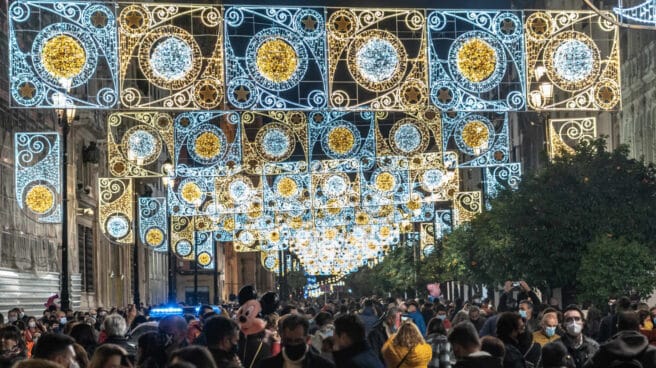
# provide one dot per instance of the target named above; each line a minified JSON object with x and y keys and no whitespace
{"x":165,"y":311}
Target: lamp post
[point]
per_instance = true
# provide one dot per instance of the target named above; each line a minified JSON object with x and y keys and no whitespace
{"x":66,"y":114}
{"x":167,"y":168}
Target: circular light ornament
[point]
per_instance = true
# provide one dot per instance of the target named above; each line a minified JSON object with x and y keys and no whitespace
{"x":207,"y":145}
{"x":276,"y":60}
{"x":171,"y":59}
{"x":334,"y":186}
{"x":117,"y":226}
{"x":275,"y":142}
{"x":385,"y":181}
{"x":477,"y":61}
{"x":246,"y":238}
{"x":63,"y":57}
{"x":154,"y":237}
{"x":287,"y":187}
{"x":432,"y":179}
{"x":271,"y":262}
{"x":341,"y":140}
{"x":239,"y":190}
{"x":204,"y":259}
{"x":377,"y":60}
{"x":191,"y":193}
{"x":409,"y":137}
{"x":475,"y":134}
{"x":183,"y":248}
{"x":572,"y":60}
{"x":40,"y":199}
{"x":141,"y":145}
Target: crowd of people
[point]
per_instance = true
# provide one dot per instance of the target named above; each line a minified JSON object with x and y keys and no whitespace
{"x":520,"y":332}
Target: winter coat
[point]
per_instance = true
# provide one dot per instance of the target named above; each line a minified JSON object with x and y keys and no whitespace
{"x":514,"y":357}
{"x":540,"y":338}
{"x":441,"y":351}
{"x":368,"y":317}
{"x":625,"y":346}
{"x":417,"y":357}
{"x":253,"y":348}
{"x":418,"y":319}
{"x":377,"y":338}
{"x":225,"y":359}
{"x":582,"y":353}
{"x":479,"y":359}
{"x":359,"y":355}
{"x":312,"y":360}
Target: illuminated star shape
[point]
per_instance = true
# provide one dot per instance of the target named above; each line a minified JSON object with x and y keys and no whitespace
{"x":412,"y":95}
{"x":242,"y":93}
{"x":318,"y":118}
{"x":309,"y":23}
{"x":343,"y":24}
{"x":508,"y":26}
{"x":207,"y":93}
{"x":606,"y":94}
{"x":27,"y":91}
{"x":99,"y":19}
{"x":134,"y":19}
{"x":540,"y":26}
{"x":444,"y":95}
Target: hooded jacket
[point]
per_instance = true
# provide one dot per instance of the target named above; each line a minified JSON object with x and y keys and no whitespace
{"x":417,"y":357}
{"x":625,"y":346}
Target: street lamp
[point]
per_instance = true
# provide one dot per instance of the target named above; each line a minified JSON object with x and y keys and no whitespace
{"x":65,"y":109}
{"x":168,"y":170}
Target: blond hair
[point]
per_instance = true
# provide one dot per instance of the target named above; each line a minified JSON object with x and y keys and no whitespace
{"x":408,"y":336}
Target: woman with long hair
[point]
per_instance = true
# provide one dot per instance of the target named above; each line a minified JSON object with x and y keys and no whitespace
{"x":32,"y":332}
{"x":85,"y":335}
{"x":110,"y":356}
{"x":407,"y":348}
{"x":436,"y":338}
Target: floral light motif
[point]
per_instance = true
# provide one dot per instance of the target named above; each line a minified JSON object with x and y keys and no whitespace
{"x":171,"y":59}
{"x":377,"y":60}
{"x":276,"y":60}
{"x":475,"y":134}
{"x":40,"y":199}
{"x":116,"y":209}
{"x":63,"y":56}
{"x":476,"y":60}
{"x":153,"y":226}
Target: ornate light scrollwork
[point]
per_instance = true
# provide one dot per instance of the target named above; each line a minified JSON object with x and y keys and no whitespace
{"x":565,"y":134}
{"x":466,"y":206}
{"x":477,"y":60}
{"x":116,"y":204}
{"x":74,"y":45}
{"x":573,"y":57}
{"x":139,"y":143}
{"x":37,"y":159}
{"x":163,"y":43}
{"x":153,"y":223}
{"x":482,"y":138}
{"x":275,"y":58}
{"x":501,"y":177}
{"x":377,"y":59}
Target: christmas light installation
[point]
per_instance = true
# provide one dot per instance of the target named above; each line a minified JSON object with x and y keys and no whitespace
{"x":369,"y":62}
{"x":74,"y":44}
{"x":466,"y":206}
{"x":116,"y":206}
{"x":153,"y":223}
{"x":342,"y":135}
{"x":163,"y":43}
{"x":565,"y":134}
{"x":501,"y":177}
{"x":476,"y":60}
{"x":483,"y":138}
{"x":275,"y":58}
{"x":644,"y":13}
{"x":38,"y":175}
{"x":137,"y":144}
{"x":572,"y":61}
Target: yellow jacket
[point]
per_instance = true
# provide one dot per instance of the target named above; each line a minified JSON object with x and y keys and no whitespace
{"x":540,"y":338}
{"x":419,"y":357}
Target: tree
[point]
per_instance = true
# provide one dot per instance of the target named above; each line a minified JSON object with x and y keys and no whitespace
{"x":540,"y":231}
{"x":616,"y":266}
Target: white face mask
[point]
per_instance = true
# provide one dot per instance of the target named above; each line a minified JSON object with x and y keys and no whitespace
{"x":31,"y":324}
{"x":574,"y":328}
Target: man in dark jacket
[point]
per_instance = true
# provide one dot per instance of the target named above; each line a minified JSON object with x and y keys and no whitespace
{"x":510,"y":326}
{"x":579,"y":346}
{"x":415,"y":315}
{"x":628,"y":348}
{"x":116,"y":328}
{"x":368,"y":315}
{"x":382,"y":331}
{"x":222,"y":336}
{"x":351,"y":348}
{"x":296,"y":351}
{"x":608,"y":326}
{"x":467,"y":348}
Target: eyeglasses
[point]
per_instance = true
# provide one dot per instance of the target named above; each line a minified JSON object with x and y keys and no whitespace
{"x":572,"y":319}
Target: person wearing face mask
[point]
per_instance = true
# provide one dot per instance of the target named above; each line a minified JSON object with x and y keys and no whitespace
{"x":547,"y":332}
{"x":383,"y":330}
{"x":32,"y":333}
{"x":296,"y":352}
{"x":526,"y":311}
{"x":222,"y":337}
{"x":12,"y":316}
{"x":580,"y":347}
{"x":13,"y":346}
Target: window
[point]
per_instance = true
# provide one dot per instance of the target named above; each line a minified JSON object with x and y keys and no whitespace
{"x":85,"y":256}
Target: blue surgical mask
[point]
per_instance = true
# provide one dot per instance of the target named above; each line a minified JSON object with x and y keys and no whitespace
{"x":522,"y":313}
{"x":550,"y":331}
{"x":62,"y":321}
{"x":441,"y":316}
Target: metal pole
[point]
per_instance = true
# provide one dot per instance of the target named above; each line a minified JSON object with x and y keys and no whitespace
{"x":135,"y":271}
{"x":216,"y":273}
{"x":195,"y":274}
{"x":172,"y":265}
{"x":65,"y":296}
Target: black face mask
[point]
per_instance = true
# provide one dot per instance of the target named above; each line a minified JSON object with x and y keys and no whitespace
{"x":234,"y":349}
{"x":295,"y":352}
